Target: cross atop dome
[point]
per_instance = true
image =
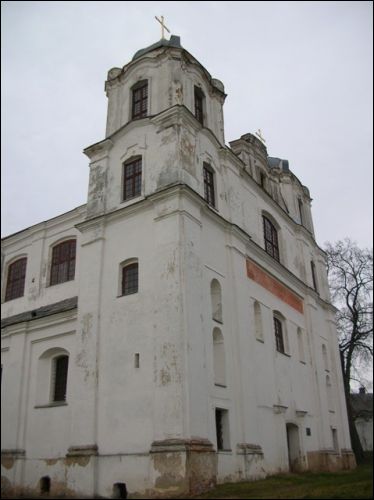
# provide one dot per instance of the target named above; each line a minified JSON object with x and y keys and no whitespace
{"x":163,"y":26}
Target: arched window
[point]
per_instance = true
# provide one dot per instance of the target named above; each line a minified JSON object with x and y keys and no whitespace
{"x":15,"y":285}
{"x":60,"y":377}
{"x":52,"y":376}
{"x":216,"y":298}
{"x":63,"y":262}
{"x":45,"y":484}
{"x":258,"y":321}
{"x":209,"y":194}
{"x":324,"y":356}
{"x":132,"y":178}
{"x":219,"y":358}
{"x":130,"y":278}
{"x":271,"y":238}
{"x":140,"y":100}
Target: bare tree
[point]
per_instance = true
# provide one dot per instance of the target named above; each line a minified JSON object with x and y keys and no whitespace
{"x":350,"y":273}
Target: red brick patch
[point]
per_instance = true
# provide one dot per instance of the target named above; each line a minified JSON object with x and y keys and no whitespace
{"x":274,"y":286}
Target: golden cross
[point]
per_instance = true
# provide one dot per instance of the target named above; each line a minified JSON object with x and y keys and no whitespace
{"x":162,"y":26}
{"x":258,"y":133}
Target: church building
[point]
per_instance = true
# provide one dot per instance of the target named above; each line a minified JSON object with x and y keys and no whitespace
{"x":176,"y":331}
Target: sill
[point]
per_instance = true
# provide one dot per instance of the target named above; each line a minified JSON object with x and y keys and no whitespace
{"x":218,"y":321}
{"x":52,"y":405}
{"x":132,"y":198}
{"x":211,"y":206}
{"x":220,"y":385}
{"x":225,"y":452}
{"x":60,"y":283}
{"x":284,"y":354}
{"x":260,"y":340}
{"x":13,"y":298}
{"x":127,"y":294}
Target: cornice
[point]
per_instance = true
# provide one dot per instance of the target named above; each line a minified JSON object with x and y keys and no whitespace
{"x":99,"y":150}
{"x":45,"y":225}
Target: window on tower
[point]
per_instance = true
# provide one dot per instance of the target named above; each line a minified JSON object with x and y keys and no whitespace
{"x":140,"y":100}
{"x":271,"y":238}
{"x":199,"y":105}
{"x":209,"y":184}
{"x":132,"y":178}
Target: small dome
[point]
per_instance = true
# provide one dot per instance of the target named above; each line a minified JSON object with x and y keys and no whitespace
{"x":174,"y":41}
{"x":218,"y":84}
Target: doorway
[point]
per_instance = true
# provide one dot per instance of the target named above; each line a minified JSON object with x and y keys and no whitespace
{"x":293,"y":444}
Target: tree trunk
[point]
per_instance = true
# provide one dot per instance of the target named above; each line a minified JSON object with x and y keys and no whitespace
{"x":355,"y":440}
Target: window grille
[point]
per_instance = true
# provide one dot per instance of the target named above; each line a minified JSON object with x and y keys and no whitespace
{"x":63,"y":262}
{"x":15,"y":286}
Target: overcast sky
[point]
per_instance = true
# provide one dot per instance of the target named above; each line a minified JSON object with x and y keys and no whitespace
{"x":300,"y":71}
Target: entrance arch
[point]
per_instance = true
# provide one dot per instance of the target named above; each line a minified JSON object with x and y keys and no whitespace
{"x":293,"y":444}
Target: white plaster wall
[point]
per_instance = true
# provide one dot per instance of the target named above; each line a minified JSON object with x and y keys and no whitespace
{"x":36,"y":243}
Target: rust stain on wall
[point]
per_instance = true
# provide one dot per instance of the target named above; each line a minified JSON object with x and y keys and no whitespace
{"x":7,"y":462}
{"x":274,"y":286}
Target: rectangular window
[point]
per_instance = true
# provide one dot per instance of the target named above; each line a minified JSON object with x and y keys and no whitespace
{"x":271,"y":239}
{"x":209,"y":185}
{"x":130,"y":279}
{"x":16,"y":279}
{"x":140,"y":100}
{"x":300,"y":203}
{"x":137,"y":360}
{"x":335,"y":443}
{"x":132,"y":179}
{"x":313,"y":267}
{"x":262,"y":180}
{"x":278,"y":335}
{"x":222,"y":430}
{"x":61,"y":375}
{"x":199,"y":105}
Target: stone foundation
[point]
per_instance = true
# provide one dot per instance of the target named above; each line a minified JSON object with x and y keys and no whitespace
{"x":330,"y":461}
{"x":183,"y":467}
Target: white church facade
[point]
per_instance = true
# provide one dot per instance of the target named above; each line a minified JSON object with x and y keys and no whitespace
{"x":176,"y":331}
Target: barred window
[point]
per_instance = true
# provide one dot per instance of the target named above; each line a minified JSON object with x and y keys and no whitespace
{"x":271,"y":238}
{"x":63,"y":262}
{"x":279,"y":342}
{"x":199,"y":105}
{"x":132,"y":179}
{"x":130,"y":279}
{"x":60,"y":378}
{"x":209,"y":184}
{"x":140,"y":100}
{"x":15,"y":286}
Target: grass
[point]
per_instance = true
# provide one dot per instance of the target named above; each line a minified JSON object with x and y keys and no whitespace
{"x":346,"y":484}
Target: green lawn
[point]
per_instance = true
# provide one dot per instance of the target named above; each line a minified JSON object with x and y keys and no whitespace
{"x":348,"y":484}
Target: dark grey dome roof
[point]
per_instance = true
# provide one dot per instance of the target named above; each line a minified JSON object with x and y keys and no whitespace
{"x":278,"y":163}
{"x":174,"y":41}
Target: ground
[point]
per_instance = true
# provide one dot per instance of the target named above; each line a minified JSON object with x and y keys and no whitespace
{"x":348,"y":484}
